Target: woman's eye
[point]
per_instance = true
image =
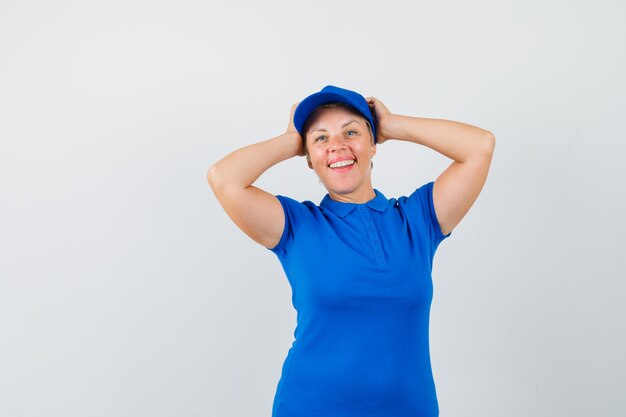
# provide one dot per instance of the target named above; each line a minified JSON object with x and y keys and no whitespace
{"x":320,"y":138}
{"x":352,"y":131}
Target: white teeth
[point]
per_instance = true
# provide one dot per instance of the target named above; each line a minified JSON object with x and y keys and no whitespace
{"x":342,"y":163}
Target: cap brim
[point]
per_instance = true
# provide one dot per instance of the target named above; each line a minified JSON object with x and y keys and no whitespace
{"x":306,"y":106}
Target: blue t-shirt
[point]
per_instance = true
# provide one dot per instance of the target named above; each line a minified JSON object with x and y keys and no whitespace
{"x":361,"y":285}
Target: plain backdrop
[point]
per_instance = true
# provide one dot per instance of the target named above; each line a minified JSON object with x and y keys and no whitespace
{"x":125,"y":290}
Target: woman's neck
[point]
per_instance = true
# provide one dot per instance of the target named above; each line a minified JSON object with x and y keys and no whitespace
{"x":354,"y":197}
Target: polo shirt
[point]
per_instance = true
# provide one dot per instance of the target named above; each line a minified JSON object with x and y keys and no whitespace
{"x":360,"y":276}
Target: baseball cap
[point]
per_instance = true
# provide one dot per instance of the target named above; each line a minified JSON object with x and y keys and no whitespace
{"x":332,"y":94}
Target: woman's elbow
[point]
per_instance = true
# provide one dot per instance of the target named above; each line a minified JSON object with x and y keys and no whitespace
{"x":490,"y":143}
{"x":213,"y":176}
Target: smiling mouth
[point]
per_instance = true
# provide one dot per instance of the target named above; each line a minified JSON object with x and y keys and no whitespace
{"x":342,"y":164}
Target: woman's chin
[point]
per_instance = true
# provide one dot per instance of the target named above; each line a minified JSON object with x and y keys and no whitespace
{"x":345,"y":186}
{"x":336,"y":188}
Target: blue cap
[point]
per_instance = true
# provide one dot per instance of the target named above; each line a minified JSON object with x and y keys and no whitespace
{"x":332,"y":94}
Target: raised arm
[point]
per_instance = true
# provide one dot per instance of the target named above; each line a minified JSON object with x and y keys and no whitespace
{"x":258,"y":213}
{"x":471,"y":148}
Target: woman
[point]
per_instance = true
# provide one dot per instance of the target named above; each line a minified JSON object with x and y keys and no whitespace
{"x":359,"y":264}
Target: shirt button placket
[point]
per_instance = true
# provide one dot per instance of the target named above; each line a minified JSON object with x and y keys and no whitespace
{"x":373,"y":236}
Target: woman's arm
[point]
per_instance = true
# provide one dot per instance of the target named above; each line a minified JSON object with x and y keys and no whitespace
{"x":256,"y":212}
{"x":471,"y":148}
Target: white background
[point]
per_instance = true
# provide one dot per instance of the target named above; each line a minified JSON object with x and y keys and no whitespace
{"x":125,"y":290}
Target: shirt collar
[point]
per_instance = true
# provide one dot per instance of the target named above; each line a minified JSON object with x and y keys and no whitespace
{"x":378,"y":203}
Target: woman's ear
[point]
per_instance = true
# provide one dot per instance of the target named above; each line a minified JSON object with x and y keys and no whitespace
{"x":308,"y":161}
{"x":373,"y":150}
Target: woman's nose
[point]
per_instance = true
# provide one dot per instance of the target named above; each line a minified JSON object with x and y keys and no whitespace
{"x":336,"y":143}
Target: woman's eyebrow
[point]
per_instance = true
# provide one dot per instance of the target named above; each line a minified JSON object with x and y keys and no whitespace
{"x":342,"y":126}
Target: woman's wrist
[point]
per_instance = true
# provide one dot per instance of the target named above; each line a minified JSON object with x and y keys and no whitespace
{"x":293,"y":142}
{"x":390,"y":127}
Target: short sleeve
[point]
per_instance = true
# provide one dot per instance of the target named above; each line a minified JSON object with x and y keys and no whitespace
{"x":422,"y":201}
{"x":295,"y":214}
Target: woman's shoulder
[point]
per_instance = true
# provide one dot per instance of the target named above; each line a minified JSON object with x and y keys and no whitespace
{"x":419,"y":193}
{"x":301,"y":207}
{"x":292,"y":200}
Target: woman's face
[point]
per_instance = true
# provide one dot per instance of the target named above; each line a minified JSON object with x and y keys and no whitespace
{"x":340,"y":150}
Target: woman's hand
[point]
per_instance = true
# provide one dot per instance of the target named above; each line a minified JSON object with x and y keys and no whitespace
{"x":382,"y":116}
{"x":291,"y":128}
